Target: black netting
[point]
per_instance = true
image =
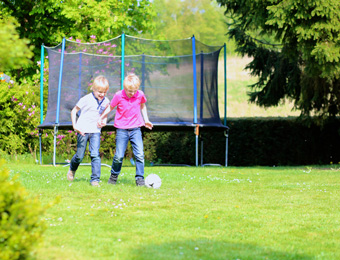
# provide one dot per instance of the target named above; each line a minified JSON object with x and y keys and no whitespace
{"x":164,"y":67}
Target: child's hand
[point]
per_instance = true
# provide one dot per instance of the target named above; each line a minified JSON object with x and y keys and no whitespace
{"x":101,"y":123}
{"x":148,"y":125}
{"x":79,"y":132}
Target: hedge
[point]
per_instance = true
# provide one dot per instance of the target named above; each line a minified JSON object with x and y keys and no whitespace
{"x":254,"y":141}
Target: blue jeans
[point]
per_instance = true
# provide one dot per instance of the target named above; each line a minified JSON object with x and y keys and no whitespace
{"x":94,"y":144}
{"x":123,"y":136}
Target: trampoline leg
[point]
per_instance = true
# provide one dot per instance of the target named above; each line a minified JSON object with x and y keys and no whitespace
{"x":40,"y":134}
{"x":201,"y":152}
{"x":55,"y":143}
{"x":196,"y":150}
{"x":196,"y":137}
{"x":226,"y":133}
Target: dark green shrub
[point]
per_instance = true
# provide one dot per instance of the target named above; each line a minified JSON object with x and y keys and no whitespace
{"x":21,"y":225}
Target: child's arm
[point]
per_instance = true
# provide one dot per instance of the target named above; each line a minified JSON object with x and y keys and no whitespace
{"x":74,"y":119}
{"x":148,"y":124}
{"x":103,"y":117}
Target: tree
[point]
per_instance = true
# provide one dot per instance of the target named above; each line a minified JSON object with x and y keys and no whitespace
{"x":183,"y":19}
{"x":48,"y":21}
{"x":305,"y":65}
{"x":14,"y":52}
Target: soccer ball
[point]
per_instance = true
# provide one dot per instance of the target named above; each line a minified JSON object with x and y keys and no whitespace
{"x":153,"y":181}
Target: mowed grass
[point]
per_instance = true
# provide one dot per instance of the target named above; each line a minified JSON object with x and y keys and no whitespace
{"x":238,"y":80}
{"x":198,"y":213}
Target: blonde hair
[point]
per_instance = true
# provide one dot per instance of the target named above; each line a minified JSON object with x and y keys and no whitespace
{"x":131,"y":81}
{"x":100,"y":83}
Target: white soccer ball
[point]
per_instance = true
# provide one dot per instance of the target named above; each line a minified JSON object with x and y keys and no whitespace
{"x":153,"y":181}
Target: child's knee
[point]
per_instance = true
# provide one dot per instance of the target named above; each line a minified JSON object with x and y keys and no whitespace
{"x":95,"y":154}
{"x":139,"y":157}
{"x":117,"y":159}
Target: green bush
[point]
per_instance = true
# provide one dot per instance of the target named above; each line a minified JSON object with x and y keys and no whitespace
{"x":21,"y":225}
{"x":19,"y":117}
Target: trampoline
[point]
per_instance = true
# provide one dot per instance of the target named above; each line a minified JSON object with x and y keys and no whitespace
{"x":179,"y":79}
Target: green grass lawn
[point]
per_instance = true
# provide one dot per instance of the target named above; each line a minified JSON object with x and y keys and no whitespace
{"x":198,"y":213}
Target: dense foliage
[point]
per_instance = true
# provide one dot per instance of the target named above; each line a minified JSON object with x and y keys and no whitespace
{"x":19,"y":117}
{"x":305,"y":65}
{"x":21,"y":225}
{"x":14,"y":51}
{"x":48,"y":21}
{"x":183,"y":19}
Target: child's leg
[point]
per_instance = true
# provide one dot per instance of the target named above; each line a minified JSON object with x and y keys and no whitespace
{"x":122,"y":139}
{"x":136,"y":140}
{"x":81,"y":147}
{"x":94,"y":144}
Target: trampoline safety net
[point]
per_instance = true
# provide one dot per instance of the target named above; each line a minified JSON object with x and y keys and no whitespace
{"x":179,"y":78}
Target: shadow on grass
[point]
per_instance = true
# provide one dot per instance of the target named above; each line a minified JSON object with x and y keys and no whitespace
{"x":212,"y":250}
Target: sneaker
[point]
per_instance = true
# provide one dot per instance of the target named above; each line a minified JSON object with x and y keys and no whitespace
{"x":70,"y":175}
{"x":113,"y":179}
{"x":140,"y":182}
{"x":95,"y":183}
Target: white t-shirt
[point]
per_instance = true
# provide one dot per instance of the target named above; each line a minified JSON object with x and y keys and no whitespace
{"x":90,"y":111}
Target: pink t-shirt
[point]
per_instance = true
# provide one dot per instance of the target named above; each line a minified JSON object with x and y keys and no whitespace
{"x":128,"y":114}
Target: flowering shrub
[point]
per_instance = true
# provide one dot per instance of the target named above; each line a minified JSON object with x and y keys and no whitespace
{"x":19,"y":117}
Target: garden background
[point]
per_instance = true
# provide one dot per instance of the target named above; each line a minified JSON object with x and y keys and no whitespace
{"x":260,"y":212}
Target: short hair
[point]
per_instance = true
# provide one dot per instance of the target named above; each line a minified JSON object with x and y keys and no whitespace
{"x":100,"y":83}
{"x":131,"y":80}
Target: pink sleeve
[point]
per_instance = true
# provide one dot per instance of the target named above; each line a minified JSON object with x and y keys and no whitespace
{"x":143,"y":99}
{"x":115,"y":100}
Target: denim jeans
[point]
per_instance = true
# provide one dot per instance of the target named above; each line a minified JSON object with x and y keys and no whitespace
{"x":94,"y":144}
{"x":123,"y":136}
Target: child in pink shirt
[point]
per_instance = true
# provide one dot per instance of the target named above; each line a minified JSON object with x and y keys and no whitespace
{"x":131,"y":110}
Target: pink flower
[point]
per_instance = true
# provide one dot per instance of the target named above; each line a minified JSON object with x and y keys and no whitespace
{"x":114,"y":45}
{"x":60,"y":137}
{"x":70,"y":38}
{"x":93,"y":37}
{"x":78,"y":40}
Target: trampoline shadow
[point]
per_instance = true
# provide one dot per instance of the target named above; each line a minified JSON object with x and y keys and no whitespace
{"x":211,"y":250}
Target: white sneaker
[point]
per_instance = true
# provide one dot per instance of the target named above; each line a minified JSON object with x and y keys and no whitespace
{"x":95,"y":183}
{"x":70,"y":175}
